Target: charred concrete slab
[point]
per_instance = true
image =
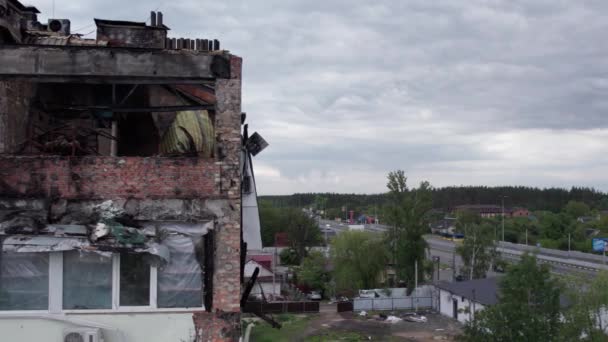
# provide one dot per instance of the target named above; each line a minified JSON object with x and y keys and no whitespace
{"x":82,"y":212}
{"x":111,"y":65}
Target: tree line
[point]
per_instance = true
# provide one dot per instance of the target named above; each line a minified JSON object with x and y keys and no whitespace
{"x":445,"y":198}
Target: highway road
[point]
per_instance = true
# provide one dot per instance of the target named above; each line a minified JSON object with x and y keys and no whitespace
{"x":561,"y":262}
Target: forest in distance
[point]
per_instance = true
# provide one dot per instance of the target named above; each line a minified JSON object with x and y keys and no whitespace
{"x":446,"y":198}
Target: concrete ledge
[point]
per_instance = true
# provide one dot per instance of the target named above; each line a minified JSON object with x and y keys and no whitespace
{"x":108,"y":65}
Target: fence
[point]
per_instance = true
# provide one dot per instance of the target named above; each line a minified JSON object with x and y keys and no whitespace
{"x":281,"y":307}
{"x":393,"y":303}
{"x":345,"y":306}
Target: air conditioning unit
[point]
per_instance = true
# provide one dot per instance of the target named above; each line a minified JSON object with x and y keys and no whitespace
{"x":82,"y":335}
{"x":61,"y":26}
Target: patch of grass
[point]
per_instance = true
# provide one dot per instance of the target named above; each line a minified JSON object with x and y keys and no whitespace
{"x":346,"y":336}
{"x":292,"y":326}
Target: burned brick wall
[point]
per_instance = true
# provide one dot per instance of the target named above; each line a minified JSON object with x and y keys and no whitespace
{"x":108,"y":177}
{"x":15,"y":100}
{"x":223,"y":324}
{"x":67,"y":181}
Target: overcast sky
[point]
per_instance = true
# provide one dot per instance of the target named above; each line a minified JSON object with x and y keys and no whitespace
{"x":456,"y":92}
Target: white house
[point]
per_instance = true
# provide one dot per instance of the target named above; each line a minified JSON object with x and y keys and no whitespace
{"x":460,"y":300}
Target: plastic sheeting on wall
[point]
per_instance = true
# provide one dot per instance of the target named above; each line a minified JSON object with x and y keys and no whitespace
{"x":199,"y":126}
{"x":180,"y":282}
{"x":87,"y":281}
{"x":24,"y":281}
{"x":28,"y":244}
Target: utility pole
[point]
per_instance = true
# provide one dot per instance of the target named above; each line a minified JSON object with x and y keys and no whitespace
{"x":569,"y":245}
{"x":526,"y":236}
{"x":473,"y":259}
{"x":274,"y":267}
{"x":375,"y":215}
{"x":454,"y":266}
{"x":436,"y":260}
{"x":503,"y":217}
{"x":416,"y":283}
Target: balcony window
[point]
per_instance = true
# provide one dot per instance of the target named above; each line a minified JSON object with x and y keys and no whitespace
{"x":87,"y":281}
{"x":24,"y":281}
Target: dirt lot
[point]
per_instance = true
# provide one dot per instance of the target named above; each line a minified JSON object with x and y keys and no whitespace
{"x":329,"y":323}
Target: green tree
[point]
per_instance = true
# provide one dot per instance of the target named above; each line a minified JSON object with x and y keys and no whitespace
{"x":478,"y":250}
{"x":407,"y":214}
{"x":528,"y":307}
{"x":320,"y":204}
{"x":554,"y":226}
{"x":302,"y":231}
{"x":576,"y":209}
{"x":289,"y":257}
{"x":272,"y":221}
{"x":313,"y":272}
{"x":358,"y":258}
{"x":585,"y":316}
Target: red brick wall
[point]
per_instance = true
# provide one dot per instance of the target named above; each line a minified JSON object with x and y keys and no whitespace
{"x":109,"y":177}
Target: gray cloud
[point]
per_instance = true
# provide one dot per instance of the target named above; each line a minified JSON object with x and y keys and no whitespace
{"x":456,"y":92}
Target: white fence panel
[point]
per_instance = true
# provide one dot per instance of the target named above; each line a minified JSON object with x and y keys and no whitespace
{"x":388,"y":304}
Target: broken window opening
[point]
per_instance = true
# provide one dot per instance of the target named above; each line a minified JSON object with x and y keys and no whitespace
{"x":120,"y":120}
{"x":24,"y":281}
{"x":137,"y":135}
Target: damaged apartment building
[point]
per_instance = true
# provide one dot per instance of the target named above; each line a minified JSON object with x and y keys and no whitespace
{"x":125,"y":178}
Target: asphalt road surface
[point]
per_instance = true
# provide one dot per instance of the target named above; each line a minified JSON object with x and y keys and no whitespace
{"x":561,"y":262}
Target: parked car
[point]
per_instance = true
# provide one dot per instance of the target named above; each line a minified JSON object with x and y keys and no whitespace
{"x":368,"y":294}
{"x":314,"y":295}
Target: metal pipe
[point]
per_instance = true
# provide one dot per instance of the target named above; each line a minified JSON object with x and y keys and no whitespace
{"x":247,"y":332}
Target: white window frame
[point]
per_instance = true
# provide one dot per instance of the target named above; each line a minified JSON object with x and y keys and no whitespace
{"x":116,"y":288}
{"x":55,"y":305}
